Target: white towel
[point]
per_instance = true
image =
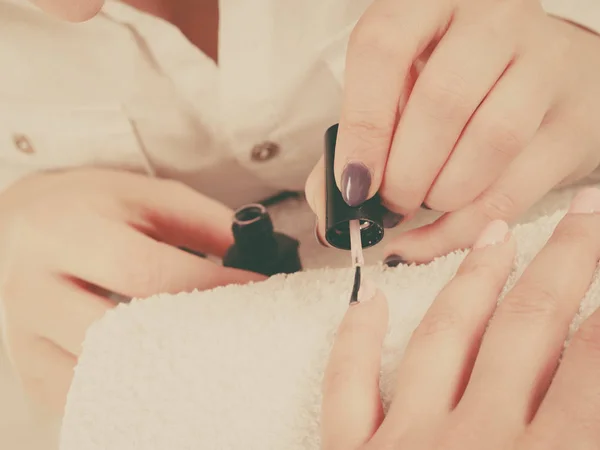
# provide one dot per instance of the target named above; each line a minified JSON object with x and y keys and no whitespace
{"x":241,"y":367}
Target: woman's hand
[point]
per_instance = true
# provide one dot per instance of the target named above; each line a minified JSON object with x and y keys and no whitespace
{"x":68,"y":240}
{"x":467,"y":382}
{"x":476,"y":108}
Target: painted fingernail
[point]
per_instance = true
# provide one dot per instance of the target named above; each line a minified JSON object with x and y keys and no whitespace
{"x":392,"y":219}
{"x":394,"y":261}
{"x":356,"y":182}
{"x":586,"y":201}
{"x":424,"y":206}
{"x":494,"y":233}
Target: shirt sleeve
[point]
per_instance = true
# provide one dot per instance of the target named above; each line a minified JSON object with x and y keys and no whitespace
{"x":585,"y":13}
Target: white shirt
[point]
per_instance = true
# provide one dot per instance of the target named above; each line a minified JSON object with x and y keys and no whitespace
{"x":128,"y":90}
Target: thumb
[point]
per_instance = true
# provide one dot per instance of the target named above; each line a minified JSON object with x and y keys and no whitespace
{"x":352,"y":410}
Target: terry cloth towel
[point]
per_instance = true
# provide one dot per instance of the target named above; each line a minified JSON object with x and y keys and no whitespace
{"x":241,"y":367}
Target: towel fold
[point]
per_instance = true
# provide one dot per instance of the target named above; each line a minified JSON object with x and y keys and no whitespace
{"x":240,"y":367}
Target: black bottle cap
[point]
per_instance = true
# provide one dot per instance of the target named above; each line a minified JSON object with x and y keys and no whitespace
{"x":253,"y":230}
{"x":258,"y":247}
{"x":339,"y":213}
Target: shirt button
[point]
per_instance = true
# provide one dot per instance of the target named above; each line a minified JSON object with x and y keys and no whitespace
{"x":265,"y":151}
{"x":23,"y":143}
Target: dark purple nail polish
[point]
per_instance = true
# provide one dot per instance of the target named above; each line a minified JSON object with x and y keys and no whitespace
{"x":356,"y":182}
{"x":424,"y":206}
{"x":392,"y":219}
{"x":394,"y":261}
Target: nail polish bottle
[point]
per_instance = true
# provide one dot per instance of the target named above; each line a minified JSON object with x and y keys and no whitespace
{"x":339,"y":213}
{"x":258,"y":247}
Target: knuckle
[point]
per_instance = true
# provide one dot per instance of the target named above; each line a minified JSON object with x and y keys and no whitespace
{"x":368,"y":127}
{"x":375,"y":37}
{"x":588,"y":336}
{"x":562,"y":46}
{"x":149,"y":276}
{"x":399,"y":196}
{"x":485,"y":272}
{"x":577,"y":231}
{"x":496,"y":204}
{"x":531,"y":301}
{"x":444,"y":97}
{"x":438,"y":322}
{"x":504,"y":138}
{"x":338,"y":376}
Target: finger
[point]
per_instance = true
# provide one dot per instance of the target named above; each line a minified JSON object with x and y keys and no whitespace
{"x":520,"y":351}
{"x":438,"y":359}
{"x":44,"y":370}
{"x":315,"y":197}
{"x":135,"y":265}
{"x":177,"y":215}
{"x":380,"y":56}
{"x":531,"y":175}
{"x":72,"y":11}
{"x":351,"y":408}
{"x":569,"y":416}
{"x":503,"y":125}
{"x":63,"y":311}
{"x":463,"y":68}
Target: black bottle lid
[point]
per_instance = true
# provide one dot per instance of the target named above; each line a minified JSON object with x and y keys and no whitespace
{"x":258,"y":247}
{"x":339,"y":213}
{"x":253,"y":230}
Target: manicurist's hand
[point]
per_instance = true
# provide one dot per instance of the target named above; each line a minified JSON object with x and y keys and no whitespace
{"x":476,"y":376}
{"x":476,"y":108}
{"x":68,"y":240}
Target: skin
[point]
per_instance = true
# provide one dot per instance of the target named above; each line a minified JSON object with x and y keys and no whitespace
{"x":69,"y":239}
{"x":70,"y":10}
{"x":476,"y":108}
{"x":476,"y":375}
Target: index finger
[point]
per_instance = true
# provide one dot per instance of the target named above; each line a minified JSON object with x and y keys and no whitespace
{"x":351,"y":409}
{"x":383,"y":47}
{"x":132,"y":264}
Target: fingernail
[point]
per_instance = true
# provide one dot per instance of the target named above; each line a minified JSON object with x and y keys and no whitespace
{"x":366,"y":292}
{"x":317,"y":235}
{"x":424,"y":206}
{"x":586,"y":201}
{"x":394,"y":261}
{"x":494,"y":233}
{"x":356,"y":182}
{"x":391,"y":219}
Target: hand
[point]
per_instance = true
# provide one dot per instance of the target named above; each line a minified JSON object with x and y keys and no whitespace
{"x":68,"y":240}
{"x":462,"y":386}
{"x":476,"y":108}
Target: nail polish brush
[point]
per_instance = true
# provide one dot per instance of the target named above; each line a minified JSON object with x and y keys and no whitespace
{"x":356,"y":251}
{"x":349,"y":227}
